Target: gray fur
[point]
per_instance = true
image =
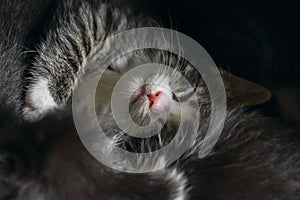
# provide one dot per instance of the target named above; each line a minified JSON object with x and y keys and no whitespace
{"x":16,"y":19}
{"x":77,"y":28}
{"x":255,"y":157}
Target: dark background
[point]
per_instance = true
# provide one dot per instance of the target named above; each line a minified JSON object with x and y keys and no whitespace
{"x":257,"y":40}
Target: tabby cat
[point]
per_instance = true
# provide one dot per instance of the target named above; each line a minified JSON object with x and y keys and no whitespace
{"x":255,"y":157}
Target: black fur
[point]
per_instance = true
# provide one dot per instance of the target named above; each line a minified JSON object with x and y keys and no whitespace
{"x":255,"y":157}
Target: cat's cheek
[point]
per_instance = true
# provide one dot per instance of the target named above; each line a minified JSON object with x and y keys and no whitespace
{"x":38,"y":101}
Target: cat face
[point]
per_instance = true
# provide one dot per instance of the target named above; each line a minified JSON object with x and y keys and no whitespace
{"x":159,"y":98}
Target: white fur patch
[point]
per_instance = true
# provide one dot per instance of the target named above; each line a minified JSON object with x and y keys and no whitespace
{"x":40,"y":101}
{"x":178,"y":181}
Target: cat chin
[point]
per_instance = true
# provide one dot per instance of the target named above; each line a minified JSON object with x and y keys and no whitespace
{"x":38,"y":101}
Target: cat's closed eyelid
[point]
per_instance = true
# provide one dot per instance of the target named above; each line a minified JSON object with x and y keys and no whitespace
{"x":184,"y":97}
{"x":114,"y":70}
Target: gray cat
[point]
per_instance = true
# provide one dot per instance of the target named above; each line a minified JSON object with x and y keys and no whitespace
{"x":255,"y":158}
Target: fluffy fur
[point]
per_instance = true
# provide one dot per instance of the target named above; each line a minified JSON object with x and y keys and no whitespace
{"x":248,"y":162}
{"x":76,"y":28}
{"x":255,"y":158}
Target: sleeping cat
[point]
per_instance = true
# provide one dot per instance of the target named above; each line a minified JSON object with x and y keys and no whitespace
{"x":255,"y":158}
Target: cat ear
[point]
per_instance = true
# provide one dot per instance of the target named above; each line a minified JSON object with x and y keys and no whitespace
{"x":242,"y":92}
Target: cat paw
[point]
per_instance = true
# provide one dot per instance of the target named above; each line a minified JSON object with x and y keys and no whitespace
{"x":38,"y":101}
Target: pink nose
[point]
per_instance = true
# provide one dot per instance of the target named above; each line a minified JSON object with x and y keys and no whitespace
{"x":153,"y":99}
{"x":159,"y":101}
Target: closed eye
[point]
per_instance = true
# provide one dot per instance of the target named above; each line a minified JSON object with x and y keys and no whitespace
{"x":184,"y":97}
{"x":110,"y":68}
{"x":174,"y":97}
